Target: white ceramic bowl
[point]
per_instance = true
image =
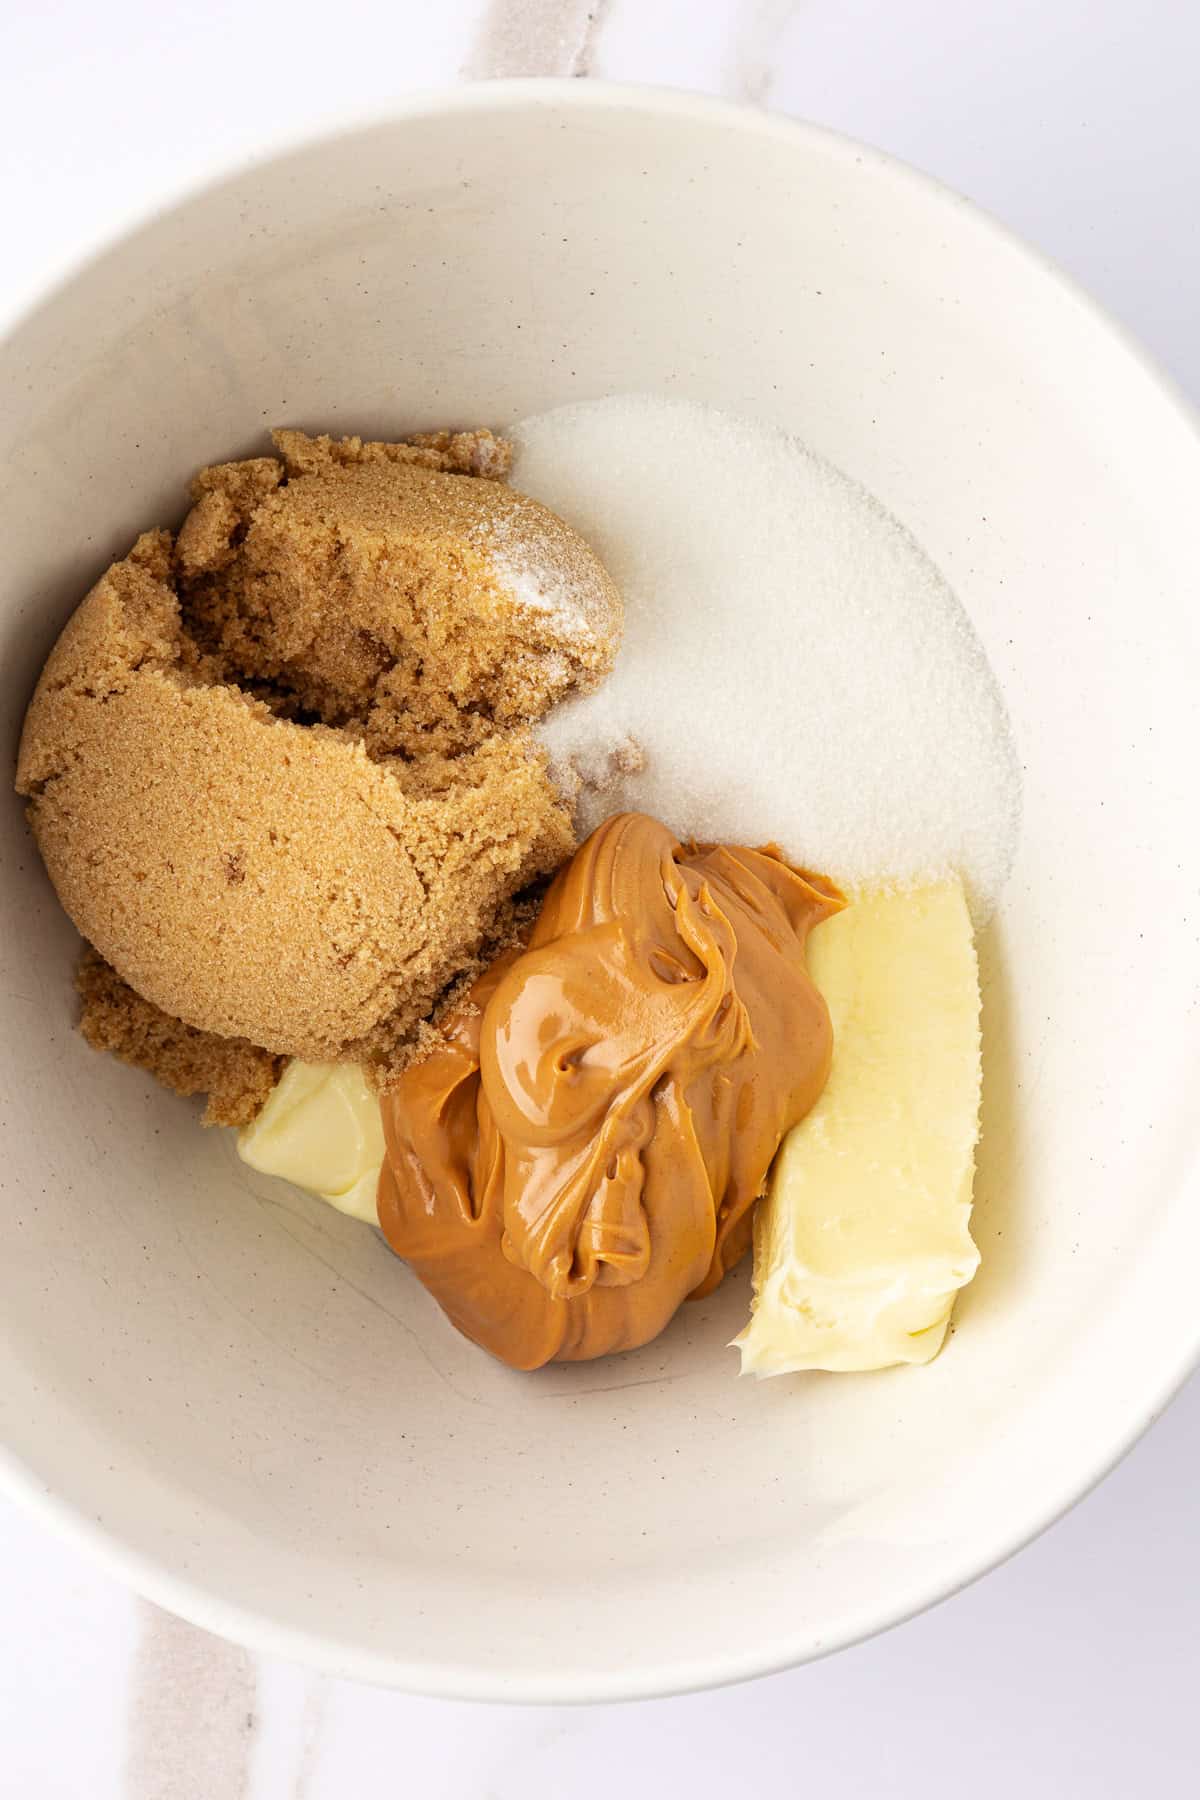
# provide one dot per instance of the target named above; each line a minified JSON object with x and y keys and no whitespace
{"x":240,"y":1398}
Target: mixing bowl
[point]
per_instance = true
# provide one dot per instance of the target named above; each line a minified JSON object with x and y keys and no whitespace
{"x":239,"y":1398}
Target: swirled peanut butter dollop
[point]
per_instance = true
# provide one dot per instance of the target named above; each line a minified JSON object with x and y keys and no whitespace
{"x":585,"y":1150}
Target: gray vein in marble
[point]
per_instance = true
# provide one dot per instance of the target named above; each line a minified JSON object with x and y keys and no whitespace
{"x":758,"y":29}
{"x":535,"y":37}
{"x":192,"y":1715}
{"x":312,"y":1724}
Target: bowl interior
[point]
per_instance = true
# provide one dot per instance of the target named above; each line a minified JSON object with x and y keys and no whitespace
{"x":241,"y":1395}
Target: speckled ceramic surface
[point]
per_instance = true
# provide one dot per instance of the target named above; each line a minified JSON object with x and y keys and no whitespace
{"x":239,"y":1396}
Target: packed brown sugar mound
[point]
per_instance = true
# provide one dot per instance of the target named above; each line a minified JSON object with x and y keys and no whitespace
{"x":209,"y":752}
{"x":380,"y":591}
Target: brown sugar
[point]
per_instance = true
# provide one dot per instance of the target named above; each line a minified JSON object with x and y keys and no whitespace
{"x":226,"y":822}
{"x":381,"y":592}
{"x":236,"y":1075}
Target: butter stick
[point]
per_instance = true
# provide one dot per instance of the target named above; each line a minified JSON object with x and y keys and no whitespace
{"x":863,"y":1240}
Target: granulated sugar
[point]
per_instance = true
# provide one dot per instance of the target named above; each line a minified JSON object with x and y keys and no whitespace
{"x":794,"y":667}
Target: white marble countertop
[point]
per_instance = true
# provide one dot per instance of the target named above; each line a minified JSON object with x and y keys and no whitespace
{"x":1072,"y":1670}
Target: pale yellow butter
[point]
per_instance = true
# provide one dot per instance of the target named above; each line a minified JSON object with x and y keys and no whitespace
{"x":862,"y":1242}
{"x":321,"y":1129}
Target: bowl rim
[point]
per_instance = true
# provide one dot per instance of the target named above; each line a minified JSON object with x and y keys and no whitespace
{"x":189,"y":1598}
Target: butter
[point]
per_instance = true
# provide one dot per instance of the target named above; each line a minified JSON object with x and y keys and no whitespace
{"x":321,"y":1129}
{"x":862,"y":1242}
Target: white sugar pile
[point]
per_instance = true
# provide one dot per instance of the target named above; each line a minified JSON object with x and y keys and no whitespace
{"x":794,"y":668}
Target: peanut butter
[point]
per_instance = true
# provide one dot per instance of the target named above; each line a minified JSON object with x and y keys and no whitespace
{"x":585,"y":1149}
